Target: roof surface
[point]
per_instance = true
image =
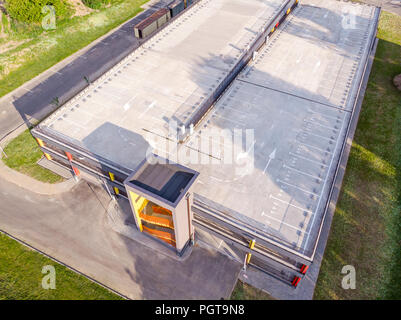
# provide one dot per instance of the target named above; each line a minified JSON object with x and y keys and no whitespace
{"x":165,"y":181}
{"x":152,"y":18}
{"x":162,"y":81}
{"x":297,"y":96}
{"x":295,"y":100}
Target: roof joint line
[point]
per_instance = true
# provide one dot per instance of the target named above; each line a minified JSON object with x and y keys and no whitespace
{"x":294,"y":95}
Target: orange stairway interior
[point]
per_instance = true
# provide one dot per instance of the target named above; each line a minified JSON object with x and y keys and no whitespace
{"x":158,"y":222}
{"x":163,"y":222}
{"x":161,"y":210}
{"x":162,"y":235}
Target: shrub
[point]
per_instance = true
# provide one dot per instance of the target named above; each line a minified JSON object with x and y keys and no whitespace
{"x":96,"y":4}
{"x":31,"y":10}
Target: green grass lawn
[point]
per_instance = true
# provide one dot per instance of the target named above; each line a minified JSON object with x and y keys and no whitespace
{"x":243,"y":291}
{"x":21,"y":277}
{"x":366,"y":230}
{"x":29,"y":50}
{"x":22,"y":154}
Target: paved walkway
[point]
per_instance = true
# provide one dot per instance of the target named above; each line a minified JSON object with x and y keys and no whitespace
{"x":73,"y":227}
{"x":393,"y":6}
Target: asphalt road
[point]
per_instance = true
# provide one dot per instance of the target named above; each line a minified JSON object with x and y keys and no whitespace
{"x":73,"y":228}
{"x":37,"y":100}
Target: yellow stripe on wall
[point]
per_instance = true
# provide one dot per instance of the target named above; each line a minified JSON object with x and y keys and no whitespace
{"x":137,"y":202}
{"x":40,"y":142}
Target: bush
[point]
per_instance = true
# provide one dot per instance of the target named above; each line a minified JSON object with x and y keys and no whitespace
{"x":96,"y":4}
{"x":31,"y":10}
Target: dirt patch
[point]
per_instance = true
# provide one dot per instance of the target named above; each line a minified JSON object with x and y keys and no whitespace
{"x":10,"y":44}
{"x":11,"y":62}
{"x":397,"y":82}
{"x":80,"y":8}
{"x":2,"y":26}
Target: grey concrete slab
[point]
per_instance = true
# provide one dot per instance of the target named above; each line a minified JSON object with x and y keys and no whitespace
{"x":55,"y":167}
{"x":293,"y":155}
{"x":291,"y":107}
{"x":121,"y":220}
{"x":296,"y":97}
{"x":35,"y":99}
{"x":317,"y":54}
{"x":163,"y":80}
{"x":305,"y":289}
{"x":27,"y":183}
{"x":393,"y":6}
{"x":73,"y":228}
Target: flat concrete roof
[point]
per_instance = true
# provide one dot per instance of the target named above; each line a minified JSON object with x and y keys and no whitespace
{"x":165,"y":79}
{"x":166,"y":181}
{"x":296,"y":97}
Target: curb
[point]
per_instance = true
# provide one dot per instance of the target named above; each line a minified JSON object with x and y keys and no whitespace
{"x":115,"y":216}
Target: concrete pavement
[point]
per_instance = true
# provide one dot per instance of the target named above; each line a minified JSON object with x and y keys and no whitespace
{"x":73,"y":228}
{"x":393,"y":6}
{"x":37,"y":98}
